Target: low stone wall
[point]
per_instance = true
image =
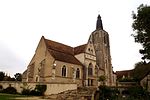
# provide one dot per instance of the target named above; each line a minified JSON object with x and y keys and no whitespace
{"x":128,"y":84}
{"x":52,"y":88}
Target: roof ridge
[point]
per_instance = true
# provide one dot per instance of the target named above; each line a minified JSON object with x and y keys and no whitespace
{"x":80,"y":45}
{"x":59,"y":43}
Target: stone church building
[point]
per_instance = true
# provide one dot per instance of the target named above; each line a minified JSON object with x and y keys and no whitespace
{"x":55,"y":62}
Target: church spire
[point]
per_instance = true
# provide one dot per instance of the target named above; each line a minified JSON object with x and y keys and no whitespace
{"x":99,"y":24}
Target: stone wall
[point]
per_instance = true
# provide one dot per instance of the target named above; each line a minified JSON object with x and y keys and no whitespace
{"x":52,"y":88}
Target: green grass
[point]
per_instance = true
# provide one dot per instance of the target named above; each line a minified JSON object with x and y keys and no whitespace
{"x":4,"y":96}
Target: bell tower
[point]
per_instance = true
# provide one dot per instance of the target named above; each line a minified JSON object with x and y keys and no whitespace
{"x":100,"y":40}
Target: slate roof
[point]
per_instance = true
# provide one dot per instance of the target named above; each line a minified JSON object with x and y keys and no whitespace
{"x":62,"y":52}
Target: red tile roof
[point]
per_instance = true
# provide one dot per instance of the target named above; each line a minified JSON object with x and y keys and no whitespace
{"x":125,"y":73}
{"x":59,"y":47}
{"x":80,"y":49}
{"x":62,"y":52}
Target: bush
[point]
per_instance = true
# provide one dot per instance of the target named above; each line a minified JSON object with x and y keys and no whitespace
{"x":40,"y":89}
{"x":25,"y":92}
{"x":10,"y":90}
{"x":137,"y":92}
{"x":107,"y":93}
{"x":1,"y":87}
{"x":35,"y":93}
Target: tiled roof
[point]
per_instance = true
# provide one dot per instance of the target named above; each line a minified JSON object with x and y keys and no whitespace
{"x":126,"y":73}
{"x":62,"y":52}
{"x":59,"y":47}
{"x":61,"y":56}
{"x":80,"y":49}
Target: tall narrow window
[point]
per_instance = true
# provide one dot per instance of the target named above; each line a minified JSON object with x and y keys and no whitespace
{"x":90,"y":69}
{"x":96,"y":70}
{"x":37,"y":78}
{"x":78,"y":73}
{"x":64,"y":71}
{"x":105,"y":39}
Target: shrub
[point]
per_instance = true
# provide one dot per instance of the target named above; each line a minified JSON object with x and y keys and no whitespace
{"x":137,"y":91}
{"x":35,"y":93}
{"x":1,"y":87}
{"x":106,"y":92}
{"x":10,"y":90}
{"x":40,"y":89}
{"x":25,"y":92}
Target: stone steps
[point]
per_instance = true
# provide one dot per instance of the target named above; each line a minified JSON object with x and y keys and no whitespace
{"x":82,"y":93}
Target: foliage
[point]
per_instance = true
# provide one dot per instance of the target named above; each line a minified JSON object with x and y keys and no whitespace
{"x":10,"y":90}
{"x":107,"y":93}
{"x":41,"y":89}
{"x":136,"y":91}
{"x":38,"y":91}
{"x":141,"y":26}
{"x":8,"y":78}
{"x":102,"y":79}
{"x":141,"y":69}
{"x":25,"y":91}
{"x":1,"y":87}
{"x":18,"y":76}
{"x":2,"y":75}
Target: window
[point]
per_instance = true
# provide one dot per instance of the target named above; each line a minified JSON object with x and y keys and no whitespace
{"x":41,"y":68}
{"x":64,"y":71}
{"x":37,"y":78}
{"x":42,"y":63}
{"x":78,"y":73}
{"x":96,"y":70}
{"x":90,"y":69}
{"x":89,"y":49}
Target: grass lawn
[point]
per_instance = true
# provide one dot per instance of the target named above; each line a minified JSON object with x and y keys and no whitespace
{"x":4,"y":96}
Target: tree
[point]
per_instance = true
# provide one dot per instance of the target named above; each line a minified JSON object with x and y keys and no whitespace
{"x":141,"y":26}
{"x":2,"y":75}
{"x":18,"y":76}
{"x":140,"y":71}
{"x":102,"y":79}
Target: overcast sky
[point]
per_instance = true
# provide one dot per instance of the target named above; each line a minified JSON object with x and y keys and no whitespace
{"x":23,"y":22}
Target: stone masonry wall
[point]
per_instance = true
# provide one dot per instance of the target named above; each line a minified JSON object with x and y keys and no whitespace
{"x":52,"y":88}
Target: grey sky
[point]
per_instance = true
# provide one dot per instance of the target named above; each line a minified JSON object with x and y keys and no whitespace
{"x":23,"y":22}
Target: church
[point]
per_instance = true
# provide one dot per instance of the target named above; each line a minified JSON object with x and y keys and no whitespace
{"x":55,"y":62}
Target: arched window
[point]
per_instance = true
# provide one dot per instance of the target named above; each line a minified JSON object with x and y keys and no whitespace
{"x":64,"y":71}
{"x":78,"y":73}
{"x":90,"y":69}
